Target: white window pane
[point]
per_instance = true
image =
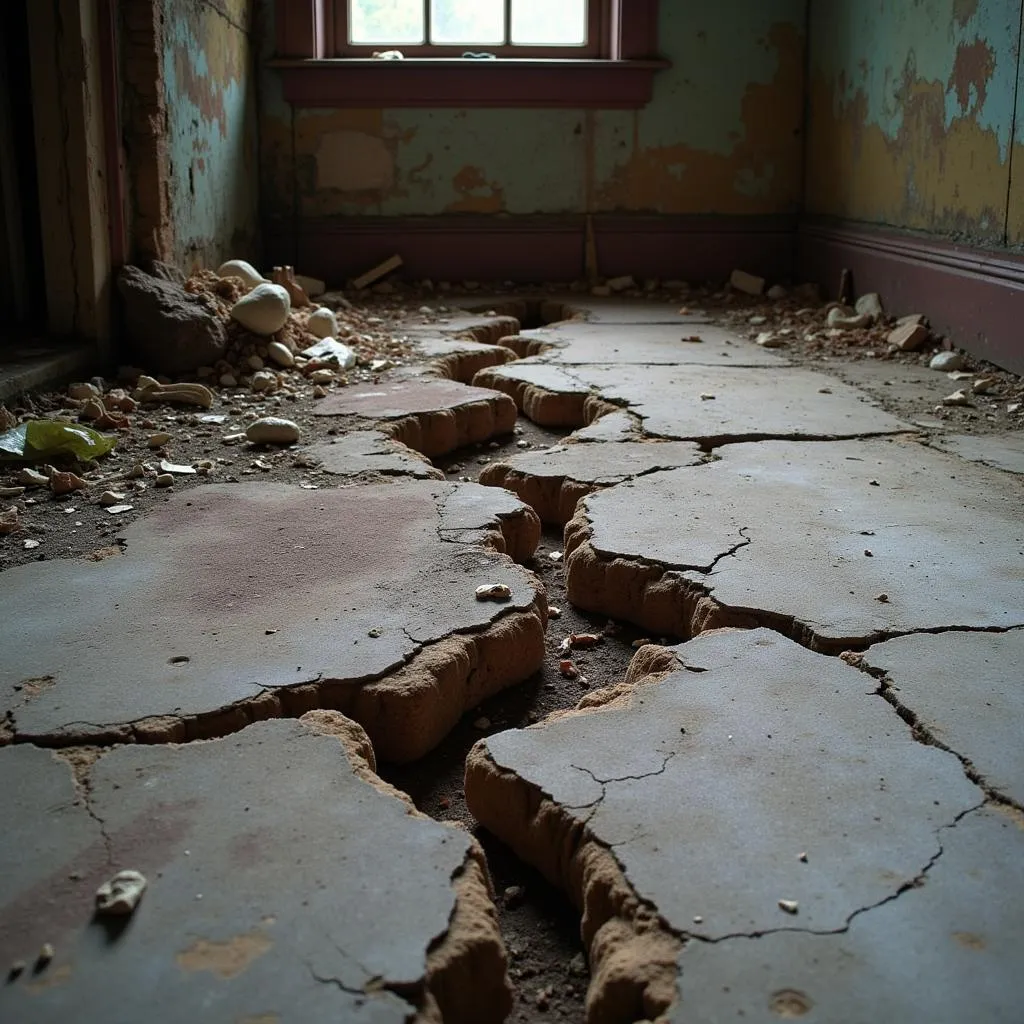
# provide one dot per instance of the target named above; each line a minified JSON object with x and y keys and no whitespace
{"x":549,"y":22}
{"x":385,"y":21}
{"x":467,"y":22}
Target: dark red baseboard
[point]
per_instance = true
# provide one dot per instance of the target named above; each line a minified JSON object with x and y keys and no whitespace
{"x":974,"y":296}
{"x":537,"y":249}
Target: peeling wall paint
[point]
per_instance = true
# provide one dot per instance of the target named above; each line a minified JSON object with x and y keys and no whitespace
{"x":912,"y":116}
{"x":212,"y":145}
{"x":722,"y":135}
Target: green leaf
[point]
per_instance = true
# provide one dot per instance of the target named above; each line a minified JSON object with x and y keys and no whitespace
{"x":39,"y":440}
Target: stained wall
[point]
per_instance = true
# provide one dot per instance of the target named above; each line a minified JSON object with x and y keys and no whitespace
{"x":915,"y":116}
{"x":722,"y":135}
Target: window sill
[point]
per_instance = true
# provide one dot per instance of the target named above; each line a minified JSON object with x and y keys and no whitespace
{"x":448,"y":82}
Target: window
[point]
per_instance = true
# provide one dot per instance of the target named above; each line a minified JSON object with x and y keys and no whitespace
{"x":540,"y":53}
{"x":448,"y":28}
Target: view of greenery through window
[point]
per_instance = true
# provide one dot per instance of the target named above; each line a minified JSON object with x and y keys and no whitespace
{"x":468,"y":22}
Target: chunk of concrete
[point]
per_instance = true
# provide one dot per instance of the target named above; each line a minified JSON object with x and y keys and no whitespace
{"x":779,"y":533}
{"x":613,"y":426}
{"x":250,"y":602}
{"x":432,"y":416}
{"x":946,"y":950}
{"x":286,"y":881}
{"x":462,"y":359}
{"x":370,"y":452}
{"x":547,"y":395}
{"x":964,"y":690}
{"x":704,"y":778}
{"x":552,"y":482}
{"x":1001,"y":451}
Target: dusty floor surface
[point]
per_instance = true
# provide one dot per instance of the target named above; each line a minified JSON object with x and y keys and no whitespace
{"x":669,"y":545}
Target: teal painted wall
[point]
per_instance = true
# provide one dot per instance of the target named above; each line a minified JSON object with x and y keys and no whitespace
{"x":912,"y":115}
{"x":722,"y":135}
{"x":212,"y":130}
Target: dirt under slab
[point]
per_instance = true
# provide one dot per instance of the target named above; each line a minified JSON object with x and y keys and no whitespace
{"x":830,"y":543}
{"x":236,"y":603}
{"x":279,"y":887}
{"x":737,"y":785}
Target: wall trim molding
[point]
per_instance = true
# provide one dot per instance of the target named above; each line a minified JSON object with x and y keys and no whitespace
{"x":537,"y":248}
{"x":975,"y":296}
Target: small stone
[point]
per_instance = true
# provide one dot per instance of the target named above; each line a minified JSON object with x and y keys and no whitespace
{"x":482,"y":723}
{"x":840,"y":318}
{"x":109,"y":498}
{"x":11,"y":492}
{"x":983,"y":385}
{"x":621,"y":284}
{"x":65,"y":483}
{"x":9,"y":521}
{"x":882,"y":598}
{"x":909,"y":337}
{"x":802,"y":857}
{"x":329,"y":350}
{"x":273,"y":430}
{"x":322,"y":377}
{"x":493,"y":592}
{"x":83,"y":391}
{"x":240,"y":268}
{"x":263,"y":380}
{"x":228,"y":380}
{"x":45,"y":956}
{"x":30,"y":545}
{"x":554,"y":611}
{"x":637,"y":644}
{"x":254,"y":363}
{"x":600,"y":291}
{"x":584,"y":639}
{"x":264,"y":310}
{"x":957,"y":398}
{"x":164,"y":480}
{"x":92,"y":410}
{"x":749,"y":284}
{"x":171,"y":467}
{"x":31,"y":478}
{"x":789,"y":906}
{"x":757,"y":321}
{"x":946,"y":361}
{"x":116,"y":510}
{"x":698,"y":919}
{"x":120,"y":895}
{"x":513,"y":896}
{"x":322,"y":324}
{"x":16,"y":969}
{"x":158,"y":440}
{"x":555,"y":556}
{"x":777,"y":292}
{"x":767,"y":339}
{"x":567,"y":668}
{"x":870,"y":305}
{"x":280,"y":354}
{"x":707,"y":397}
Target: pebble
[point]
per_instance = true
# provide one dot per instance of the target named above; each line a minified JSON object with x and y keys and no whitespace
{"x":280,"y":354}
{"x":482,"y":723}
{"x":116,"y":510}
{"x":11,"y":492}
{"x":164,"y":480}
{"x":957,"y":398}
{"x":322,"y":377}
{"x":243,"y":269}
{"x":109,"y":498}
{"x":31,"y":478}
{"x":946,"y":361}
{"x":567,"y":668}
{"x":789,"y":906}
{"x":45,"y":955}
{"x":30,"y":545}
{"x":83,"y":391}
{"x":228,"y":380}
{"x":264,"y":310}
{"x":322,"y":324}
{"x":272,"y":430}
{"x":554,"y":611}
{"x":65,"y":483}
{"x":255,"y":363}
{"x":120,"y":895}
{"x":263,"y":380}
{"x":493,"y":592}
{"x":158,"y":440}
{"x":555,"y":556}
{"x":170,"y":467}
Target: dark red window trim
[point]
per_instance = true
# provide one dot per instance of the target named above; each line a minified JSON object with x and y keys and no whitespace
{"x":313,"y":78}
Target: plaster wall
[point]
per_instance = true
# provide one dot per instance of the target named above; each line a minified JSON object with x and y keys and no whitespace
{"x":722,"y":135}
{"x":915,"y":116}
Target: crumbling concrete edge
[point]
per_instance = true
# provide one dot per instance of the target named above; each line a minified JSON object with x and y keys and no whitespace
{"x":548,"y":408}
{"x":553,"y":499}
{"x":406,"y":712}
{"x":466,"y":979}
{"x":440,"y":431}
{"x":464,"y":366}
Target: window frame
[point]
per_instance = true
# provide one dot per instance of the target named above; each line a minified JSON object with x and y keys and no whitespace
{"x":596,"y":46}
{"x":622,"y":78}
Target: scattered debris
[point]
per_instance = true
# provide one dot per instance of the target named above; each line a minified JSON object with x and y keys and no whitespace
{"x":377,"y":272}
{"x":9,"y":520}
{"x":151,"y":390}
{"x":749,"y":284}
{"x":568,"y":669}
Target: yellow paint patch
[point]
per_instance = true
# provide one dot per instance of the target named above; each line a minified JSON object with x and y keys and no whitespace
{"x":1016,"y":211}
{"x":476,"y":193}
{"x":228,"y":959}
{"x":969,"y":940}
{"x":354,"y":162}
{"x":928,"y":177}
{"x":762,"y":174}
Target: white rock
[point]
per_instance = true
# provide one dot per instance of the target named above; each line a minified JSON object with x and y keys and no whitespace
{"x":331,"y":350}
{"x":240,"y":268}
{"x":322,"y":324}
{"x":750,"y":284}
{"x":171,"y":467}
{"x":280,"y":354}
{"x":870,"y":305}
{"x":264,"y":380}
{"x":322,"y":377}
{"x":121,"y":894}
{"x":264,"y":310}
{"x":493,"y":592}
{"x":109,"y":498}
{"x":164,"y":480}
{"x":946,"y":361}
{"x":838,"y":317}
{"x":83,"y":390}
{"x":769,"y":340}
{"x":957,"y":398}
{"x":272,"y":430}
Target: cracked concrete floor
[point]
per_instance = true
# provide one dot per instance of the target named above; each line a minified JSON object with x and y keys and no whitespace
{"x":748,"y":824}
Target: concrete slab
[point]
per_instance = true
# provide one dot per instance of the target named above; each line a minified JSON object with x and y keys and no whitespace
{"x":286,"y":883}
{"x":779,"y":533}
{"x":964,"y":690}
{"x":553,"y":482}
{"x":706,"y":784}
{"x":467,"y":324}
{"x":461,"y":359}
{"x":943,"y":952}
{"x":613,"y":426}
{"x":717,"y":405}
{"x":1001,"y":451}
{"x":370,"y":451}
{"x":549,"y":396}
{"x":432,"y":416}
{"x":654,"y":344}
{"x":618,"y":310}
{"x":235,"y":603}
